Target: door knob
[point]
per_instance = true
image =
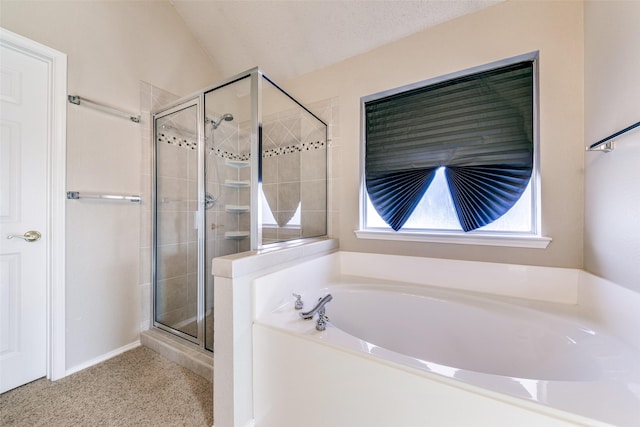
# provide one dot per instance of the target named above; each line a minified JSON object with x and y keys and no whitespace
{"x":29,"y":236}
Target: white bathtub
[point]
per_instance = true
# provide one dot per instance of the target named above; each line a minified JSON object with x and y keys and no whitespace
{"x":534,"y":353}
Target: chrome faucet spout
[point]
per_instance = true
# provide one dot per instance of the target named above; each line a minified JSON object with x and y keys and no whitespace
{"x":319,"y":308}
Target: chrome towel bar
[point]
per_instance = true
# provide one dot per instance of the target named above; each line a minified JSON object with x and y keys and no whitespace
{"x":76,"y":195}
{"x":606,"y":145}
{"x":75,"y":99}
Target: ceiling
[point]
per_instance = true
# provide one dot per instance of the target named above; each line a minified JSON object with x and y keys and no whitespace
{"x":289,"y":38}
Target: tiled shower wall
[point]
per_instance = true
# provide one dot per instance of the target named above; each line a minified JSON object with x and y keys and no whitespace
{"x":293,"y":175}
{"x":228,"y":145}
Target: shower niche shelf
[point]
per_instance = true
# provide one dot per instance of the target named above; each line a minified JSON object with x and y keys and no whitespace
{"x":236,"y":208}
{"x":236,"y":235}
{"x":237,"y":163}
{"x":236,"y":184}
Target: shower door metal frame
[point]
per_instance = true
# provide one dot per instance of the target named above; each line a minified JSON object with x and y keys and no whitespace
{"x":255,"y":212}
{"x":177,"y":107}
{"x":201,"y":222}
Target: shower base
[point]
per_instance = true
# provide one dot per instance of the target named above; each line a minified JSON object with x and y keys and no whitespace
{"x":175,"y":349}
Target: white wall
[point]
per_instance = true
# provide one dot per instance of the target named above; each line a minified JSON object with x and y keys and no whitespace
{"x":498,"y":32}
{"x":111,"y":48}
{"x":612,"y":102}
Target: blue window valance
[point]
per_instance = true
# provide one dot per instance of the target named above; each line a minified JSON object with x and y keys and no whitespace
{"x":478,"y":127}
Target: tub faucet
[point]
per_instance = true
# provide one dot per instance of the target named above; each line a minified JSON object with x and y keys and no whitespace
{"x":321,"y":323}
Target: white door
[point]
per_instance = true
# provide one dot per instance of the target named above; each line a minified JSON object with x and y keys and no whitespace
{"x":23,"y":211}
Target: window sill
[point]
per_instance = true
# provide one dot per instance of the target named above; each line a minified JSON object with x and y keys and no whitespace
{"x":535,"y":242}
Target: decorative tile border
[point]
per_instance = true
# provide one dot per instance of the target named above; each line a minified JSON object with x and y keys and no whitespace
{"x":305,"y":146}
{"x":166,"y":138}
{"x":231,"y":156}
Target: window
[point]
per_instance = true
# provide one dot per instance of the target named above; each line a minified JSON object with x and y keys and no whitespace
{"x":454,"y":155}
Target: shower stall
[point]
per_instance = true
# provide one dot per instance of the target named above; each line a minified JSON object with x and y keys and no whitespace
{"x":237,"y":167}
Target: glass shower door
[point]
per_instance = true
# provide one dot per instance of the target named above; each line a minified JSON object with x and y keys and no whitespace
{"x":176,"y":233}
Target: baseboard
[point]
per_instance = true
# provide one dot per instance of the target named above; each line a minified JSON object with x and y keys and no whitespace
{"x":103,"y":358}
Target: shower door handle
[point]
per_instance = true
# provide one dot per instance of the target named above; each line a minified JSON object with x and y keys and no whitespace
{"x":29,"y":236}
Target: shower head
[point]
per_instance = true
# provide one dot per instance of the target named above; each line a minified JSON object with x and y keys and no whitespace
{"x":225,"y":117}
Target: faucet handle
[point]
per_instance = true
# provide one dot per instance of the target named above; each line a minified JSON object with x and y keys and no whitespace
{"x":298,"y":304}
{"x":321,"y":323}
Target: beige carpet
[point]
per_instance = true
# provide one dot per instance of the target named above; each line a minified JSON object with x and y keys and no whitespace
{"x":136,"y":388}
